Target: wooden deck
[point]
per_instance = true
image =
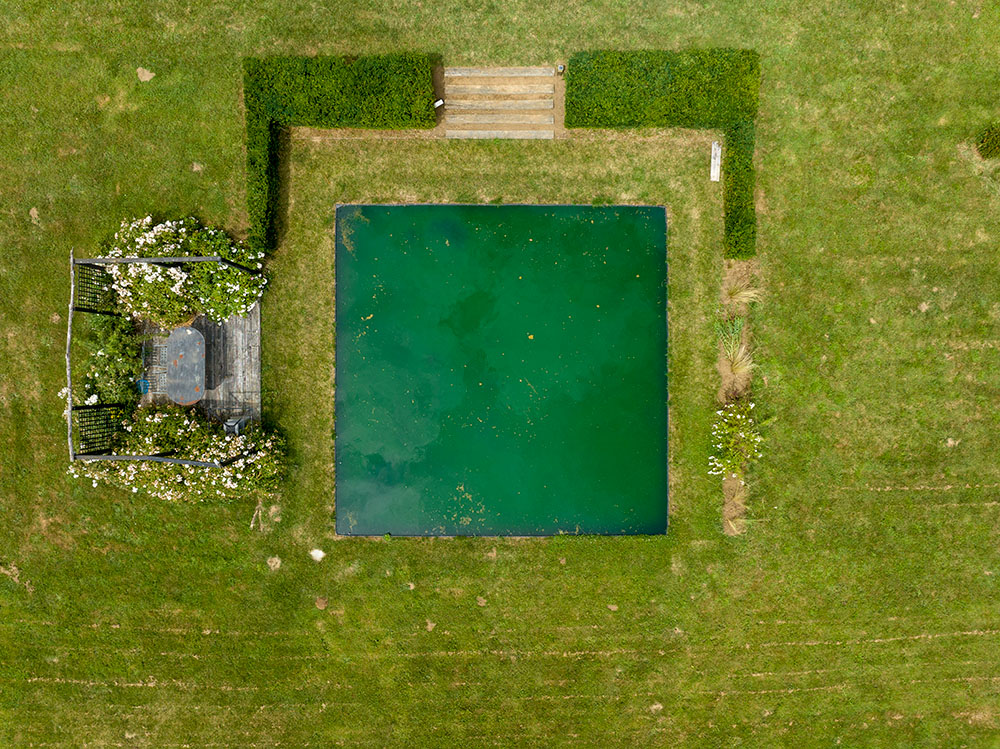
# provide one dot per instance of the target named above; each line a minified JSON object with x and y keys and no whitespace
{"x":232,"y":367}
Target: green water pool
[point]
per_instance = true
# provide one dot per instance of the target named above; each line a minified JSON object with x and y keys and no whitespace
{"x":501,"y":370}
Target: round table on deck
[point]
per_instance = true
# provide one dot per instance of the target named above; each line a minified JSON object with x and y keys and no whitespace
{"x":185,"y":366}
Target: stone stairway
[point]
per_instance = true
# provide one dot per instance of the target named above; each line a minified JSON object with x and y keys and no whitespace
{"x":499,"y":103}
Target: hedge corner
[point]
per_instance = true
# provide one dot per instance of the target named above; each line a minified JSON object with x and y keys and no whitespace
{"x":391,"y":91}
{"x":705,"y":88}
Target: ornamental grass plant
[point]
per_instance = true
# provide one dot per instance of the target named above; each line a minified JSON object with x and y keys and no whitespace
{"x":740,"y":293}
{"x":730,"y":335}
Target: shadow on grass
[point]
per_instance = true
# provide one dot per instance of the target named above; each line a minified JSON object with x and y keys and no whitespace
{"x":282,"y":151}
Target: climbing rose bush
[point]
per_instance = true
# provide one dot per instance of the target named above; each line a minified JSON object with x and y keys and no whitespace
{"x":193,"y":438}
{"x":736,"y":440}
{"x":170,"y":295}
{"x":114,"y":363}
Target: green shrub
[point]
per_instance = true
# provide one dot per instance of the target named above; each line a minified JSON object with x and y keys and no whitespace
{"x":186,"y":434}
{"x":390,"y":91}
{"x":988,"y":143}
{"x":708,"y":88}
{"x":735,"y":438}
{"x":169,"y":295}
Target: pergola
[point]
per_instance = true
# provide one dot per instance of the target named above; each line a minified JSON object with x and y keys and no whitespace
{"x":91,"y":427}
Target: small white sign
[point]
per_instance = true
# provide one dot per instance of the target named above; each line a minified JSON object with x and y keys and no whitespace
{"x":716,"y":161}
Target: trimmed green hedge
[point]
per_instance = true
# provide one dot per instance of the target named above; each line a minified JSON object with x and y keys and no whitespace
{"x":706,"y":88}
{"x":391,"y":91}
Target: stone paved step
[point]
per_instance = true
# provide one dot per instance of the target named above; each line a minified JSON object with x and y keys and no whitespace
{"x":517,"y":118}
{"x":478,"y":105}
{"x":498,"y":72}
{"x":459,"y":89}
{"x":502,"y":134}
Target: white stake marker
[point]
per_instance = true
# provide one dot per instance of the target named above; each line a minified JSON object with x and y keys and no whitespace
{"x":716,"y":161}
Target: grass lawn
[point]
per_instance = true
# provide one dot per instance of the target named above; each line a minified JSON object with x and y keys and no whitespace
{"x":861,"y":604}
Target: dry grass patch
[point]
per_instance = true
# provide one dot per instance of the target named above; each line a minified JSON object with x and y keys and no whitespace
{"x":981,"y":716}
{"x":734,"y":507}
{"x":14,"y":573}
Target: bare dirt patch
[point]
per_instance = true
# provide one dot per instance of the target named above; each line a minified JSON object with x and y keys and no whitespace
{"x":687,"y":139}
{"x":348,"y":572}
{"x":760,"y":202}
{"x":49,"y":528}
{"x":319,"y":135}
{"x":12,"y":571}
